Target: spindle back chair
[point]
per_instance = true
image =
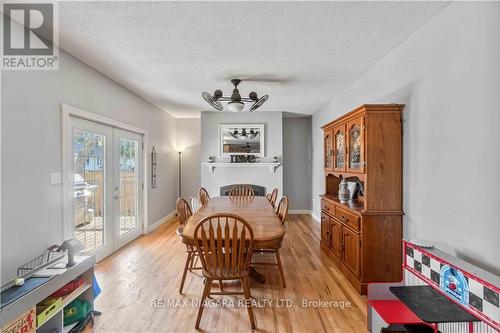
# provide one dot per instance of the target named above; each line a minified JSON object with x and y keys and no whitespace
{"x":241,"y":190}
{"x":225,"y":242}
{"x":273,"y":196}
{"x":203,"y":196}
{"x":282,"y":209}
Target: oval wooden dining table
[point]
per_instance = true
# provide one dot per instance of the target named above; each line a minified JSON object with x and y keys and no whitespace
{"x":267,"y":228}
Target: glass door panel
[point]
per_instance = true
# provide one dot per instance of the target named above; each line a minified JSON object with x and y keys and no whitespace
{"x":339,"y":148}
{"x":128,"y":191}
{"x":90,"y":150}
{"x":356,"y":146}
{"x":328,"y":150}
{"x":128,"y":185}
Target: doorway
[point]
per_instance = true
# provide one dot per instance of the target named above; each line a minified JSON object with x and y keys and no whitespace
{"x":107,"y":190}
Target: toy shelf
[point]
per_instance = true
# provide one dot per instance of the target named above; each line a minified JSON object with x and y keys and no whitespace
{"x":75,"y":293}
{"x":54,"y":322}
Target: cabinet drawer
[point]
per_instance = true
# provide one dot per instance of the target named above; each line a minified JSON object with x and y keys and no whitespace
{"x":328,"y":207}
{"x":347,"y":218}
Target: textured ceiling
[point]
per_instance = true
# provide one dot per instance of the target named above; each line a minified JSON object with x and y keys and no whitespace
{"x":169,"y":52}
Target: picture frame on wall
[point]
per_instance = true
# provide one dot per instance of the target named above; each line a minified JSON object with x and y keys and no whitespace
{"x":154,"y":166}
{"x":241,"y":139}
{"x":153,"y":156}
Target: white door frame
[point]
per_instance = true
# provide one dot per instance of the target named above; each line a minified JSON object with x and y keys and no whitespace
{"x":68,"y":111}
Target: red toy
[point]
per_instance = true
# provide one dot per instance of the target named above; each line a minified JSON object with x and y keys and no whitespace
{"x":69,"y":287}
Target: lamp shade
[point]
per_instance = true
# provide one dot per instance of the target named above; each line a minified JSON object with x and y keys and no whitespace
{"x":235,"y":106}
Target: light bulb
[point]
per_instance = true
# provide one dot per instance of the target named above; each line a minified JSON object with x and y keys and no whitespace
{"x":235,"y":106}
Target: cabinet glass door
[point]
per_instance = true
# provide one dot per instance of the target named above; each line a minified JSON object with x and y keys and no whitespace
{"x":356,"y":146}
{"x":328,"y":150}
{"x":340,"y":148}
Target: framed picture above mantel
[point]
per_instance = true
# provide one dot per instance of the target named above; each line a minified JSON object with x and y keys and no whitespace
{"x":241,"y":139}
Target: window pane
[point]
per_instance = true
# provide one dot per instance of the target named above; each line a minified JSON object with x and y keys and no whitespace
{"x":88,"y":191}
{"x":128,"y":185}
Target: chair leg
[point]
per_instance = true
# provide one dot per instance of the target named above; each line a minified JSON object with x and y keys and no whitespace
{"x":278,"y":258}
{"x":191,"y":263}
{"x":206,"y":292}
{"x":248,"y":297}
{"x":186,"y":267}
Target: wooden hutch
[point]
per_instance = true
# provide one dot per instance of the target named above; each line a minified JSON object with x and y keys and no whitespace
{"x":364,"y":235}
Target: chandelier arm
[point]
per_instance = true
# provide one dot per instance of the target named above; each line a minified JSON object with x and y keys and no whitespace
{"x":247,"y":100}
{"x":228,"y":99}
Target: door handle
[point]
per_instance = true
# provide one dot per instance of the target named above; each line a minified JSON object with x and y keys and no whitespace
{"x":118,"y":197}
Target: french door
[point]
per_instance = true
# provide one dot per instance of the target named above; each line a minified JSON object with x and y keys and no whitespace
{"x":107,"y":189}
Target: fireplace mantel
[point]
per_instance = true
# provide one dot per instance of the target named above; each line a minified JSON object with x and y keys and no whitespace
{"x":272,"y":166}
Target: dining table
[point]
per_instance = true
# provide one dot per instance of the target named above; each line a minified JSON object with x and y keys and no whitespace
{"x":267,"y":227}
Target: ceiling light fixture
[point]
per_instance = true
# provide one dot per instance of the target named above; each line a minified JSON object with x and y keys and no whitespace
{"x":236,"y":102}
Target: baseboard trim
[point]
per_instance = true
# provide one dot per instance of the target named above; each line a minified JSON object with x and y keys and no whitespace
{"x":161,"y":221}
{"x":299,"y":211}
{"x":303,"y":211}
{"x":315,"y":217}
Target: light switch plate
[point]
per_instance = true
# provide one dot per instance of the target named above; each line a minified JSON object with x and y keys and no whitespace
{"x":55,"y":178}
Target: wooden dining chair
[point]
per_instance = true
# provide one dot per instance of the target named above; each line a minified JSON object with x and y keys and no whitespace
{"x":241,"y":190}
{"x":203,"y":196}
{"x":273,"y":196}
{"x":183,"y":209}
{"x":225,"y":242}
{"x":195,"y":204}
{"x":282,"y":212}
{"x":282,"y":209}
{"x":183,"y":214}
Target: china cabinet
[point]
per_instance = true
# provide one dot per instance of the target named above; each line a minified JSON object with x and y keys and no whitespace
{"x":364,"y":235}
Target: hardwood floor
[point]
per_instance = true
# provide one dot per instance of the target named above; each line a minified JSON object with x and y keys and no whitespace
{"x":149,"y":270}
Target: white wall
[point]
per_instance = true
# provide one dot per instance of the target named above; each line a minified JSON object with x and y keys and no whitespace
{"x":188,"y":137}
{"x":297,"y":162}
{"x":31,"y":150}
{"x":225,"y":176}
{"x":447,"y":73}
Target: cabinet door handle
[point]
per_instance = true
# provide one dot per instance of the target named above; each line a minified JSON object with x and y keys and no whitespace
{"x":343,"y":219}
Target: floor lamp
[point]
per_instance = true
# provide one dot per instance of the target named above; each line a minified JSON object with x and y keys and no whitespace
{"x":179,"y":151}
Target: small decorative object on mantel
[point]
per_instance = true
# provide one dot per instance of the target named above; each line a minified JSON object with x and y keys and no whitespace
{"x":243,"y":159}
{"x":211,"y":159}
{"x":275,"y":159}
{"x":344,"y":193}
{"x":154,"y":165}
